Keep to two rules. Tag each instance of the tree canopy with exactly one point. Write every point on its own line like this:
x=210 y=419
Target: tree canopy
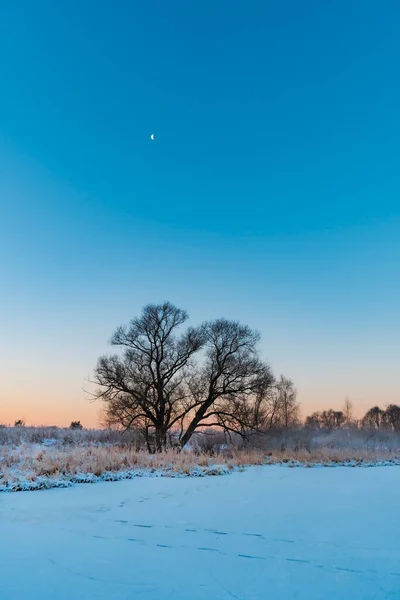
x=169 y=383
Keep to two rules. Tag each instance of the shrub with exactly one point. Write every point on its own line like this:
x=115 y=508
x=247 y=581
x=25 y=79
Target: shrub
x=76 y=425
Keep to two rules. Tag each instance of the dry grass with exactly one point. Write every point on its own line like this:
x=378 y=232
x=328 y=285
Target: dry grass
x=97 y=460
x=15 y=436
x=32 y=463
x=320 y=456
x=31 y=458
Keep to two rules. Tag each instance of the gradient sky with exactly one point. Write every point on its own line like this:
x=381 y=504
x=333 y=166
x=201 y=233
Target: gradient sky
x=271 y=193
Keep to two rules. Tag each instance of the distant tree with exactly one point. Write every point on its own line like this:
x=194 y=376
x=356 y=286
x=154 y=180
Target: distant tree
x=332 y=419
x=326 y=419
x=19 y=423
x=287 y=408
x=313 y=421
x=76 y=425
x=374 y=418
x=157 y=386
x=391 y=417
x=348 y=412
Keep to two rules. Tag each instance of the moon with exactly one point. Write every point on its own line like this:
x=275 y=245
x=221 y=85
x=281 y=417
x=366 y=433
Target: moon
x=152 y=136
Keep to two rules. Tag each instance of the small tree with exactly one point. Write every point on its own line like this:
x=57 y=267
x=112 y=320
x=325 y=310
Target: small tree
x=19 y=423
x=157 y=386
x=326 y=419
x=332 y=419
x=313 y=421
x=348 y=413
x=76 y=425
x=287 y=407
x=391 y=417
x=373 y=418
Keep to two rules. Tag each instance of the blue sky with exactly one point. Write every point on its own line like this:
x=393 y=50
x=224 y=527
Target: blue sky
x=270 y=193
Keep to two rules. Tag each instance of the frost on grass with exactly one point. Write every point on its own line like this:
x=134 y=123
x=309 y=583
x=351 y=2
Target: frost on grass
x=40 y=458
x=19 y=483
x=32 y=467
x=29 y=467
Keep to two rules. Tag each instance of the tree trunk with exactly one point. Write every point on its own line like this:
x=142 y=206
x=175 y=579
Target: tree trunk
x=160 y=439
x=191 y=428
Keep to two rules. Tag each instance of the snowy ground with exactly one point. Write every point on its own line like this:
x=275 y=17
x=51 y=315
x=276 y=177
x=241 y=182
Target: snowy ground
x=268 y=533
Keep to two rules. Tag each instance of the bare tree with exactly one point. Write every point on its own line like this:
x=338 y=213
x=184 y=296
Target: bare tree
x=157 y=387
x=374 y=418
x=392 y=417
x=232 y=388
x=326 y=419
x=348 y=412
x=313 y=421
x=287 y=407
x=145 y=388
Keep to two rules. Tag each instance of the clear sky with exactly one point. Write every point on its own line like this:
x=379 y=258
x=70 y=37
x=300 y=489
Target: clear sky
x=271 y=193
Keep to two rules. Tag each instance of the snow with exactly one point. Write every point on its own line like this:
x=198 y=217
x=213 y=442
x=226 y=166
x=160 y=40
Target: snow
x=268 y=532
x=24 y=483
x=21 y=479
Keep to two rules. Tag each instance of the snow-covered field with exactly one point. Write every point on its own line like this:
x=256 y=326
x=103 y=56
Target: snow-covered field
x=269 y=532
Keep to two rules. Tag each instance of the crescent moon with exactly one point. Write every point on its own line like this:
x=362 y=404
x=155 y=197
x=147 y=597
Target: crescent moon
x=152 y=136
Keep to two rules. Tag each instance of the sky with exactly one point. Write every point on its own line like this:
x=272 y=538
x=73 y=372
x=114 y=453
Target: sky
x=271 y=193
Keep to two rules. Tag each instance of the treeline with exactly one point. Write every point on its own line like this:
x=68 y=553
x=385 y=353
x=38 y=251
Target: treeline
x=168 y=381
x=21 y=423
x=284 y=414
x=375 y=418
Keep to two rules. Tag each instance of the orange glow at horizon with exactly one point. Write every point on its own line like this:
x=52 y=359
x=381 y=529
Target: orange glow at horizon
x=61 y=411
